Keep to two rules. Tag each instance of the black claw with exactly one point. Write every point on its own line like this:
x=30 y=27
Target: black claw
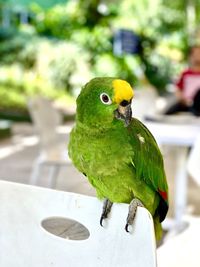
x=126 y=228
x=106 y=210
x=101 y=220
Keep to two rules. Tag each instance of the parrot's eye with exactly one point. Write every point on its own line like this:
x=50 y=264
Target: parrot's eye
x=105 y=99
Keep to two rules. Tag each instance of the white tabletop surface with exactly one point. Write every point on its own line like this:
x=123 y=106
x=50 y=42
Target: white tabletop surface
x=174 y=134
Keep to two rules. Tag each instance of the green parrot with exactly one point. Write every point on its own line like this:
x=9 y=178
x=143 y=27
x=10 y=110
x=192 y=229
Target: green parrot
x=117 y=153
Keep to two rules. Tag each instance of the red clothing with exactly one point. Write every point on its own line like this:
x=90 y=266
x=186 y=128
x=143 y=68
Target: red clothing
x=189 y=83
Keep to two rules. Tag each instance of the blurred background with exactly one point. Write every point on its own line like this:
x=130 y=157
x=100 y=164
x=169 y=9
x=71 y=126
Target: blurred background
x=53 y=48
x=50 y=49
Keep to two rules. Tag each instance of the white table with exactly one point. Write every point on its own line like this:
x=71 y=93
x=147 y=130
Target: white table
x=24 y=242
x=182 y=136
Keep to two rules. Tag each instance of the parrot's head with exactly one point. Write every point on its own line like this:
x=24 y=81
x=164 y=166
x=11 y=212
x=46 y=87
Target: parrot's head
x=103 y=101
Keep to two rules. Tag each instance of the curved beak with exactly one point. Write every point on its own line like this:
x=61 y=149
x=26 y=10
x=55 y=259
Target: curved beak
x=124 y=112
x=123 y=94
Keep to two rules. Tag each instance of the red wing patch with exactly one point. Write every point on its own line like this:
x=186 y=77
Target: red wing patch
x=163 y=194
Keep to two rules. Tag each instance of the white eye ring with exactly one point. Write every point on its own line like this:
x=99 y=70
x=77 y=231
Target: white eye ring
x=105 y=99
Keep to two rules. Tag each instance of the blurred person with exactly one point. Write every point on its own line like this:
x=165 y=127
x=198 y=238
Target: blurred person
x=188 y=86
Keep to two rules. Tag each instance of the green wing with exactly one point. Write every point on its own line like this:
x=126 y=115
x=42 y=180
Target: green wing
x=148 y=162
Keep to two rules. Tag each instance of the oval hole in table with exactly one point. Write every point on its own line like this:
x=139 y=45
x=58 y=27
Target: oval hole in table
x=65 y=228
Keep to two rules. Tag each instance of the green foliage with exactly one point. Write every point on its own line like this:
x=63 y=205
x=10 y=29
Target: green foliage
x=91 y=31
x=17 y=86
x=18 y=46
x=70 y=43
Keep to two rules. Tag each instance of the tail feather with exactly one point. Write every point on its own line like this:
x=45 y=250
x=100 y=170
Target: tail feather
x=157 y=228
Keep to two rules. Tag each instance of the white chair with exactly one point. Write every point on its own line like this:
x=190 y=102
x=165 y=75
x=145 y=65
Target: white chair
x=33 y=237
x=193 y=165
x=53 y=150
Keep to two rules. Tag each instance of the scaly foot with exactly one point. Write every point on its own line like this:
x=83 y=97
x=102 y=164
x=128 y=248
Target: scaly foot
x=107 y=205
x=132 y=212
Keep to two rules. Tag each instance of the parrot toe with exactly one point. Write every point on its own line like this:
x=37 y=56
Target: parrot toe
x=132 y=212
x=107 y=205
